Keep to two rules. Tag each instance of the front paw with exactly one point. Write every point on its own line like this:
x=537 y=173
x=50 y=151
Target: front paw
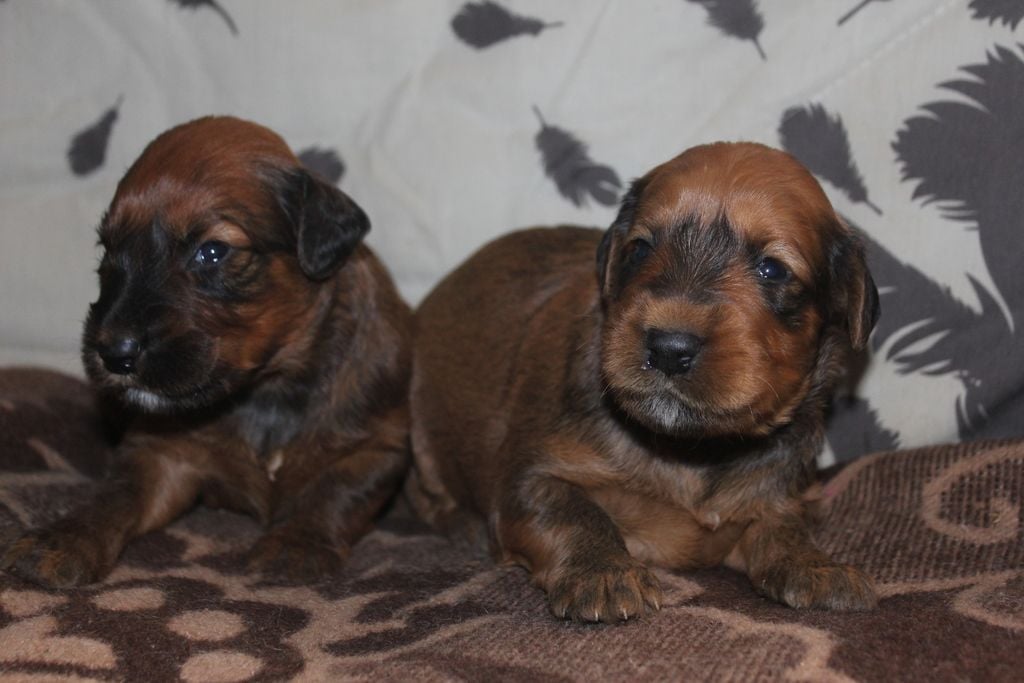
x=57 y=558
x=831 y=587
x=297 y=557
x=606 y=592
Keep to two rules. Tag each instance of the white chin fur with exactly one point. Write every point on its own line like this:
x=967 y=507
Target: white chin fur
x=661 y=413
x=147 y=400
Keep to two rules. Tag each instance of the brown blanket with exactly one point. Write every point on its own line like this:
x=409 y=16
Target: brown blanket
x=940 y=529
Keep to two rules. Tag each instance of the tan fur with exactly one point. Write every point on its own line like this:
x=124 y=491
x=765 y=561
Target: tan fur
x=282 y=369
x=536 y=411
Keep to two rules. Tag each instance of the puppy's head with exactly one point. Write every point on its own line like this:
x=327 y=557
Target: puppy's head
x=218 y=254
x=731 y=291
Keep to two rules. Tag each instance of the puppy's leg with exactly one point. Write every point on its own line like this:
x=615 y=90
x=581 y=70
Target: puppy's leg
x=324 y=518
x=784 y=564
x=150 y=487
x=574 y=552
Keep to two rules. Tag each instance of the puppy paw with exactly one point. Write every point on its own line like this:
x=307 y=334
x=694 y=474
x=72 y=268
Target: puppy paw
x=831 y=587
x=606 y=593
x=56 y=558
x=297 y=557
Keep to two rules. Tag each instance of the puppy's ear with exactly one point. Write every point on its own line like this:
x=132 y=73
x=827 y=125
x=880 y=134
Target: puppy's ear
x=602 y=257
x=328 y=224
x=854 y=295
x=624 y=219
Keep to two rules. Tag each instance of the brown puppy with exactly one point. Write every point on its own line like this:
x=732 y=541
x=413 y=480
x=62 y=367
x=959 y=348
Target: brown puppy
x=238 y=306
x=662 y=409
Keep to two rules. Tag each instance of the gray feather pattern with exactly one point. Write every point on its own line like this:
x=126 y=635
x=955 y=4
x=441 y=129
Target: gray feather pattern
x=964 y=153
x=88 y=148
x=567 y=163
x=482 y=24
x=854 y=429
x=212 y=4
x=323 y=161
x=856 y=8
x=1010 y=12
x=737 y=18
x=820 y=142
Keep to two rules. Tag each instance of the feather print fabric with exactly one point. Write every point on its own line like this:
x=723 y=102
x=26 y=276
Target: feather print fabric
x=567 y=162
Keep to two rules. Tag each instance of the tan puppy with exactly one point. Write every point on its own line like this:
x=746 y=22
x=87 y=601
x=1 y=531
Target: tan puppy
x=239 y=306
x=660 y=404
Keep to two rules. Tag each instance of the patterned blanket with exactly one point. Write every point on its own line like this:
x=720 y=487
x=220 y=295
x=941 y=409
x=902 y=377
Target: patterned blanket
x=940 y=529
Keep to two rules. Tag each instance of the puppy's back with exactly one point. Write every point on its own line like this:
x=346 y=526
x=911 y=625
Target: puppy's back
x=469 y=332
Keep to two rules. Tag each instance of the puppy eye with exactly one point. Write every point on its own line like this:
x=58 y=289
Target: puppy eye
x=638 y=250
x=633 y=255
x=772 y=269
x=211 y=253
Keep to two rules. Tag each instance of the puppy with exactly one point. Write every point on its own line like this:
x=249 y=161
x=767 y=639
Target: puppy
x=239 y=308
x=663 y=408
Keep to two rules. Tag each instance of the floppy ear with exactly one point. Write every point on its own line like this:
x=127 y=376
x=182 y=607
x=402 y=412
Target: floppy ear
x=855 y=296
x=624 y=219
x=864 y=310
x=328 y=224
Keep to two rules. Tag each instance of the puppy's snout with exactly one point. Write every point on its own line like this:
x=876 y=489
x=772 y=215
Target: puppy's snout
x=670 y=351
x=121 y=354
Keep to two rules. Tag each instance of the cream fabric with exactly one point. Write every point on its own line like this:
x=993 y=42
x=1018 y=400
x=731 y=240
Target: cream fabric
x=437 y=136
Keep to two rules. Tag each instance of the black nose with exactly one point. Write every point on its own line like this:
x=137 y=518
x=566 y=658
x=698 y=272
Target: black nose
x=120 y=355
x=671 y=352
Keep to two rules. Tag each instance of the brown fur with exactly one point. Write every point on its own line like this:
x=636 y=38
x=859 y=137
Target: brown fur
x=540 y=424
x=278 y=375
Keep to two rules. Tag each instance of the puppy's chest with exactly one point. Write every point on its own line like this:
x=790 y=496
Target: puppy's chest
x=670 y=522
x=270 y=431
x=268 y=427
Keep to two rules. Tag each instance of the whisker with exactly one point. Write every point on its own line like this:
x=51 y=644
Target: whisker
x=769 y=385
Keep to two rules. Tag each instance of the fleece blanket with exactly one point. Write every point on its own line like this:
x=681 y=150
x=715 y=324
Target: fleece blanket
x=939 y=528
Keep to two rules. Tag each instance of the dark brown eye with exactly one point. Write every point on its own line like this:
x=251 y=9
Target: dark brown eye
x=637 y=251
x=211 y=253
x=633 y=255
x=772 y=270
